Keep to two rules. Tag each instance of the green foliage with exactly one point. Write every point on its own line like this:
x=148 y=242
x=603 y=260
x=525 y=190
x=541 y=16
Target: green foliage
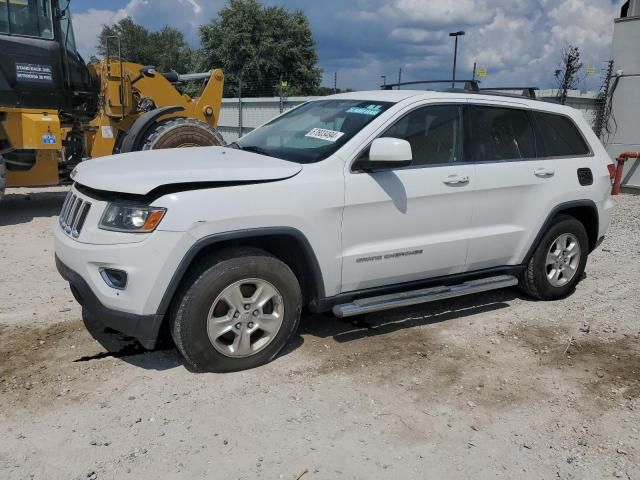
x=270 y=48
x=165 y=49
x=263 y=46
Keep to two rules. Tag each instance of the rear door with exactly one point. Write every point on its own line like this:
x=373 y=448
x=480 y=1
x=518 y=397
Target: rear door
x=410 y=223
x=560 y=138
x=515 y=189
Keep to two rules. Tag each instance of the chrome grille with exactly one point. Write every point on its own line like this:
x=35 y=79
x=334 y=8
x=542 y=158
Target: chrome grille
x=73 y=214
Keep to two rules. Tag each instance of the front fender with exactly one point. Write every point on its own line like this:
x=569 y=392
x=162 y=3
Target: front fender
x=254 y=236
x=133 y=139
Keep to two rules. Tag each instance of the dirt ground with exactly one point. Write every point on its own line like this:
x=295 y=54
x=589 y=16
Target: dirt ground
x=489 y=386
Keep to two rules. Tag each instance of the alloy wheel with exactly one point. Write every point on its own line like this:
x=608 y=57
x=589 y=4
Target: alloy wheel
x=245 y=317
x=563 y=259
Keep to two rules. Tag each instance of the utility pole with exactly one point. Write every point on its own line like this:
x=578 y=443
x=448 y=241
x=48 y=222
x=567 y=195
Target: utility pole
x=474 y=71
x=335 y=82
x=239 y=107
x=384 y=80
x=455 y=55
x=399 y=77
x=281 y=99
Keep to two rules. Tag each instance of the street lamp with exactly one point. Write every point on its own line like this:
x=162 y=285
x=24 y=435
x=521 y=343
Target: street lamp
x=455 y=55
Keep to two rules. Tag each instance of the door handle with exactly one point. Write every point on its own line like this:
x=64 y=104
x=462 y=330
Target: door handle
x=456 y=180
x=544 y=172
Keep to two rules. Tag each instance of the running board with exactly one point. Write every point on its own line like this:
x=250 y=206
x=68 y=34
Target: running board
x=405 y=299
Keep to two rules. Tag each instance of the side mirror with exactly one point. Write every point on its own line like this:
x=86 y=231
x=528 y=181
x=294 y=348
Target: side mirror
x=387 y=152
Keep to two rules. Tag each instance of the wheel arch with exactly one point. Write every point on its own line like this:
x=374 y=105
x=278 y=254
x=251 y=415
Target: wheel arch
x=136 y=133
x=585 y=211
x=286 y=243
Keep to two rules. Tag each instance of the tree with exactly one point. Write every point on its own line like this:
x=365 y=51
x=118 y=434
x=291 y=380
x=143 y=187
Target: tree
x=263 y=46
x=568 y=73
x=165 y=49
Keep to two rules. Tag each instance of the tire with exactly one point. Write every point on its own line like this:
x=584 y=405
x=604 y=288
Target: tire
x=201 y=312
x=180 y=133
x=3 y=178
x=554 y=271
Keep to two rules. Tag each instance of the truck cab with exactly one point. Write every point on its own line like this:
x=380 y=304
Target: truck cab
x=40 y=66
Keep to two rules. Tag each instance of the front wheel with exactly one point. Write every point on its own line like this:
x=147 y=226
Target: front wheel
x=559 y=260
x=237 y=311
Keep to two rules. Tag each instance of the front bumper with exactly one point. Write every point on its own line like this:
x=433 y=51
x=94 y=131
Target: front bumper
x=144 y=328
x=149 y=265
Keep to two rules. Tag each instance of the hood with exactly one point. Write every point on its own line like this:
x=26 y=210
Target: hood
x=141 y=172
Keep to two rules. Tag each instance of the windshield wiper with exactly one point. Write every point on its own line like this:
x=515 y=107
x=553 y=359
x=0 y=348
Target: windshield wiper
x=255 y=149
x=258 y=150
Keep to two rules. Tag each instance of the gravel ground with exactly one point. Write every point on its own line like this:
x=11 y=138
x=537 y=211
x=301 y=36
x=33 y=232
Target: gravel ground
x=488 y=386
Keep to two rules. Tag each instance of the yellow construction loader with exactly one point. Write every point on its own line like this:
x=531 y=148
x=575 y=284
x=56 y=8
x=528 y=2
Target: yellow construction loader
x=55 y=110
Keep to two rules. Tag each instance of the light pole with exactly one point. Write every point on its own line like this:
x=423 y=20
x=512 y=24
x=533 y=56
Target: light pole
x=455 y=55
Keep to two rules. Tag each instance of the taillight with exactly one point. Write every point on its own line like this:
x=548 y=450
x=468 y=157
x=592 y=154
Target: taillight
x=612 y=171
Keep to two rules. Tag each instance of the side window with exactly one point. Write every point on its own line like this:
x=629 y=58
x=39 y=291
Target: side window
x=497 y=133
x=434 y=132
x=559 y=136
x=26 y=17
x=4 y=16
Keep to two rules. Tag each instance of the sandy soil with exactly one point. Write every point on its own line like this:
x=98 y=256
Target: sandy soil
x=489 y=386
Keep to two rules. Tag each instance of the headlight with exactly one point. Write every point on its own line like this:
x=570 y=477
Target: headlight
x=131 y=218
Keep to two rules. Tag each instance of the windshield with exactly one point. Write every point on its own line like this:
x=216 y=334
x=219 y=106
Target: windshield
x=312 y=131
x=26 y=17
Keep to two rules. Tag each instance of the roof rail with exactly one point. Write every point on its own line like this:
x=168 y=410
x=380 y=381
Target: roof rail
x=472 y=86
x=527 y=92
x=469 y=85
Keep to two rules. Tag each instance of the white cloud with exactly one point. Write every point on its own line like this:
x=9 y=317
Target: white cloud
x=517 y=41
x=185 y=15
x=87 y=26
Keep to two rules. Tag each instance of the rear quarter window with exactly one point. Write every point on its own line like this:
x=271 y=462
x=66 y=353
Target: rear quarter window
x=558 y=136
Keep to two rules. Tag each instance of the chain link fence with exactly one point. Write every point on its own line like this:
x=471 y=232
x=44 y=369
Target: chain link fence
x=239 y=116
x=248 y=105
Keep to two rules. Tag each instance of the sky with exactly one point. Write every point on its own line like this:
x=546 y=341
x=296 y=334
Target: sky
x=518 y=42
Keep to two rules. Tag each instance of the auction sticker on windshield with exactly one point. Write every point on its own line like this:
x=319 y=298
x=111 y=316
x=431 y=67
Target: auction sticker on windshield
x=371 y=110
x=324 y=134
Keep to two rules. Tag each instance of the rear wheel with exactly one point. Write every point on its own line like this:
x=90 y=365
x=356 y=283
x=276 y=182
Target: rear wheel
x=559 y=260
x=181 y=133
x=237 y=311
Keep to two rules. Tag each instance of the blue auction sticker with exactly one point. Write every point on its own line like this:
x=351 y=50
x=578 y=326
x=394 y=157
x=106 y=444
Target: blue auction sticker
x=372 y=110
x=49 y=139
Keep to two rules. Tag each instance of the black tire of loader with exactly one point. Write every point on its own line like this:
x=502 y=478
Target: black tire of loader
x=180 y=133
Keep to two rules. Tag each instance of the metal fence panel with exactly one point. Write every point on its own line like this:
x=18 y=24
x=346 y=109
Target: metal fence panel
x=255 y=112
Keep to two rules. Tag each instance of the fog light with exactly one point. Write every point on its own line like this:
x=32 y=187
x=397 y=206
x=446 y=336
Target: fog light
x=114 y=278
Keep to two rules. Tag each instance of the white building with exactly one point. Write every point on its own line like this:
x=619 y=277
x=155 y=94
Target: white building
x=625 y=97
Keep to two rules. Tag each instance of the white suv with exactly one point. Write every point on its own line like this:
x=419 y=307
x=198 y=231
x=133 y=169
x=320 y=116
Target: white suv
x=353 y=203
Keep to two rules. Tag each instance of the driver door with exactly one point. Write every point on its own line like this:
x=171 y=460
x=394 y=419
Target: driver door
x=411 y=223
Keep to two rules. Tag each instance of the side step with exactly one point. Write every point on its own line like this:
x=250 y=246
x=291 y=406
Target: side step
x=405 y=299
